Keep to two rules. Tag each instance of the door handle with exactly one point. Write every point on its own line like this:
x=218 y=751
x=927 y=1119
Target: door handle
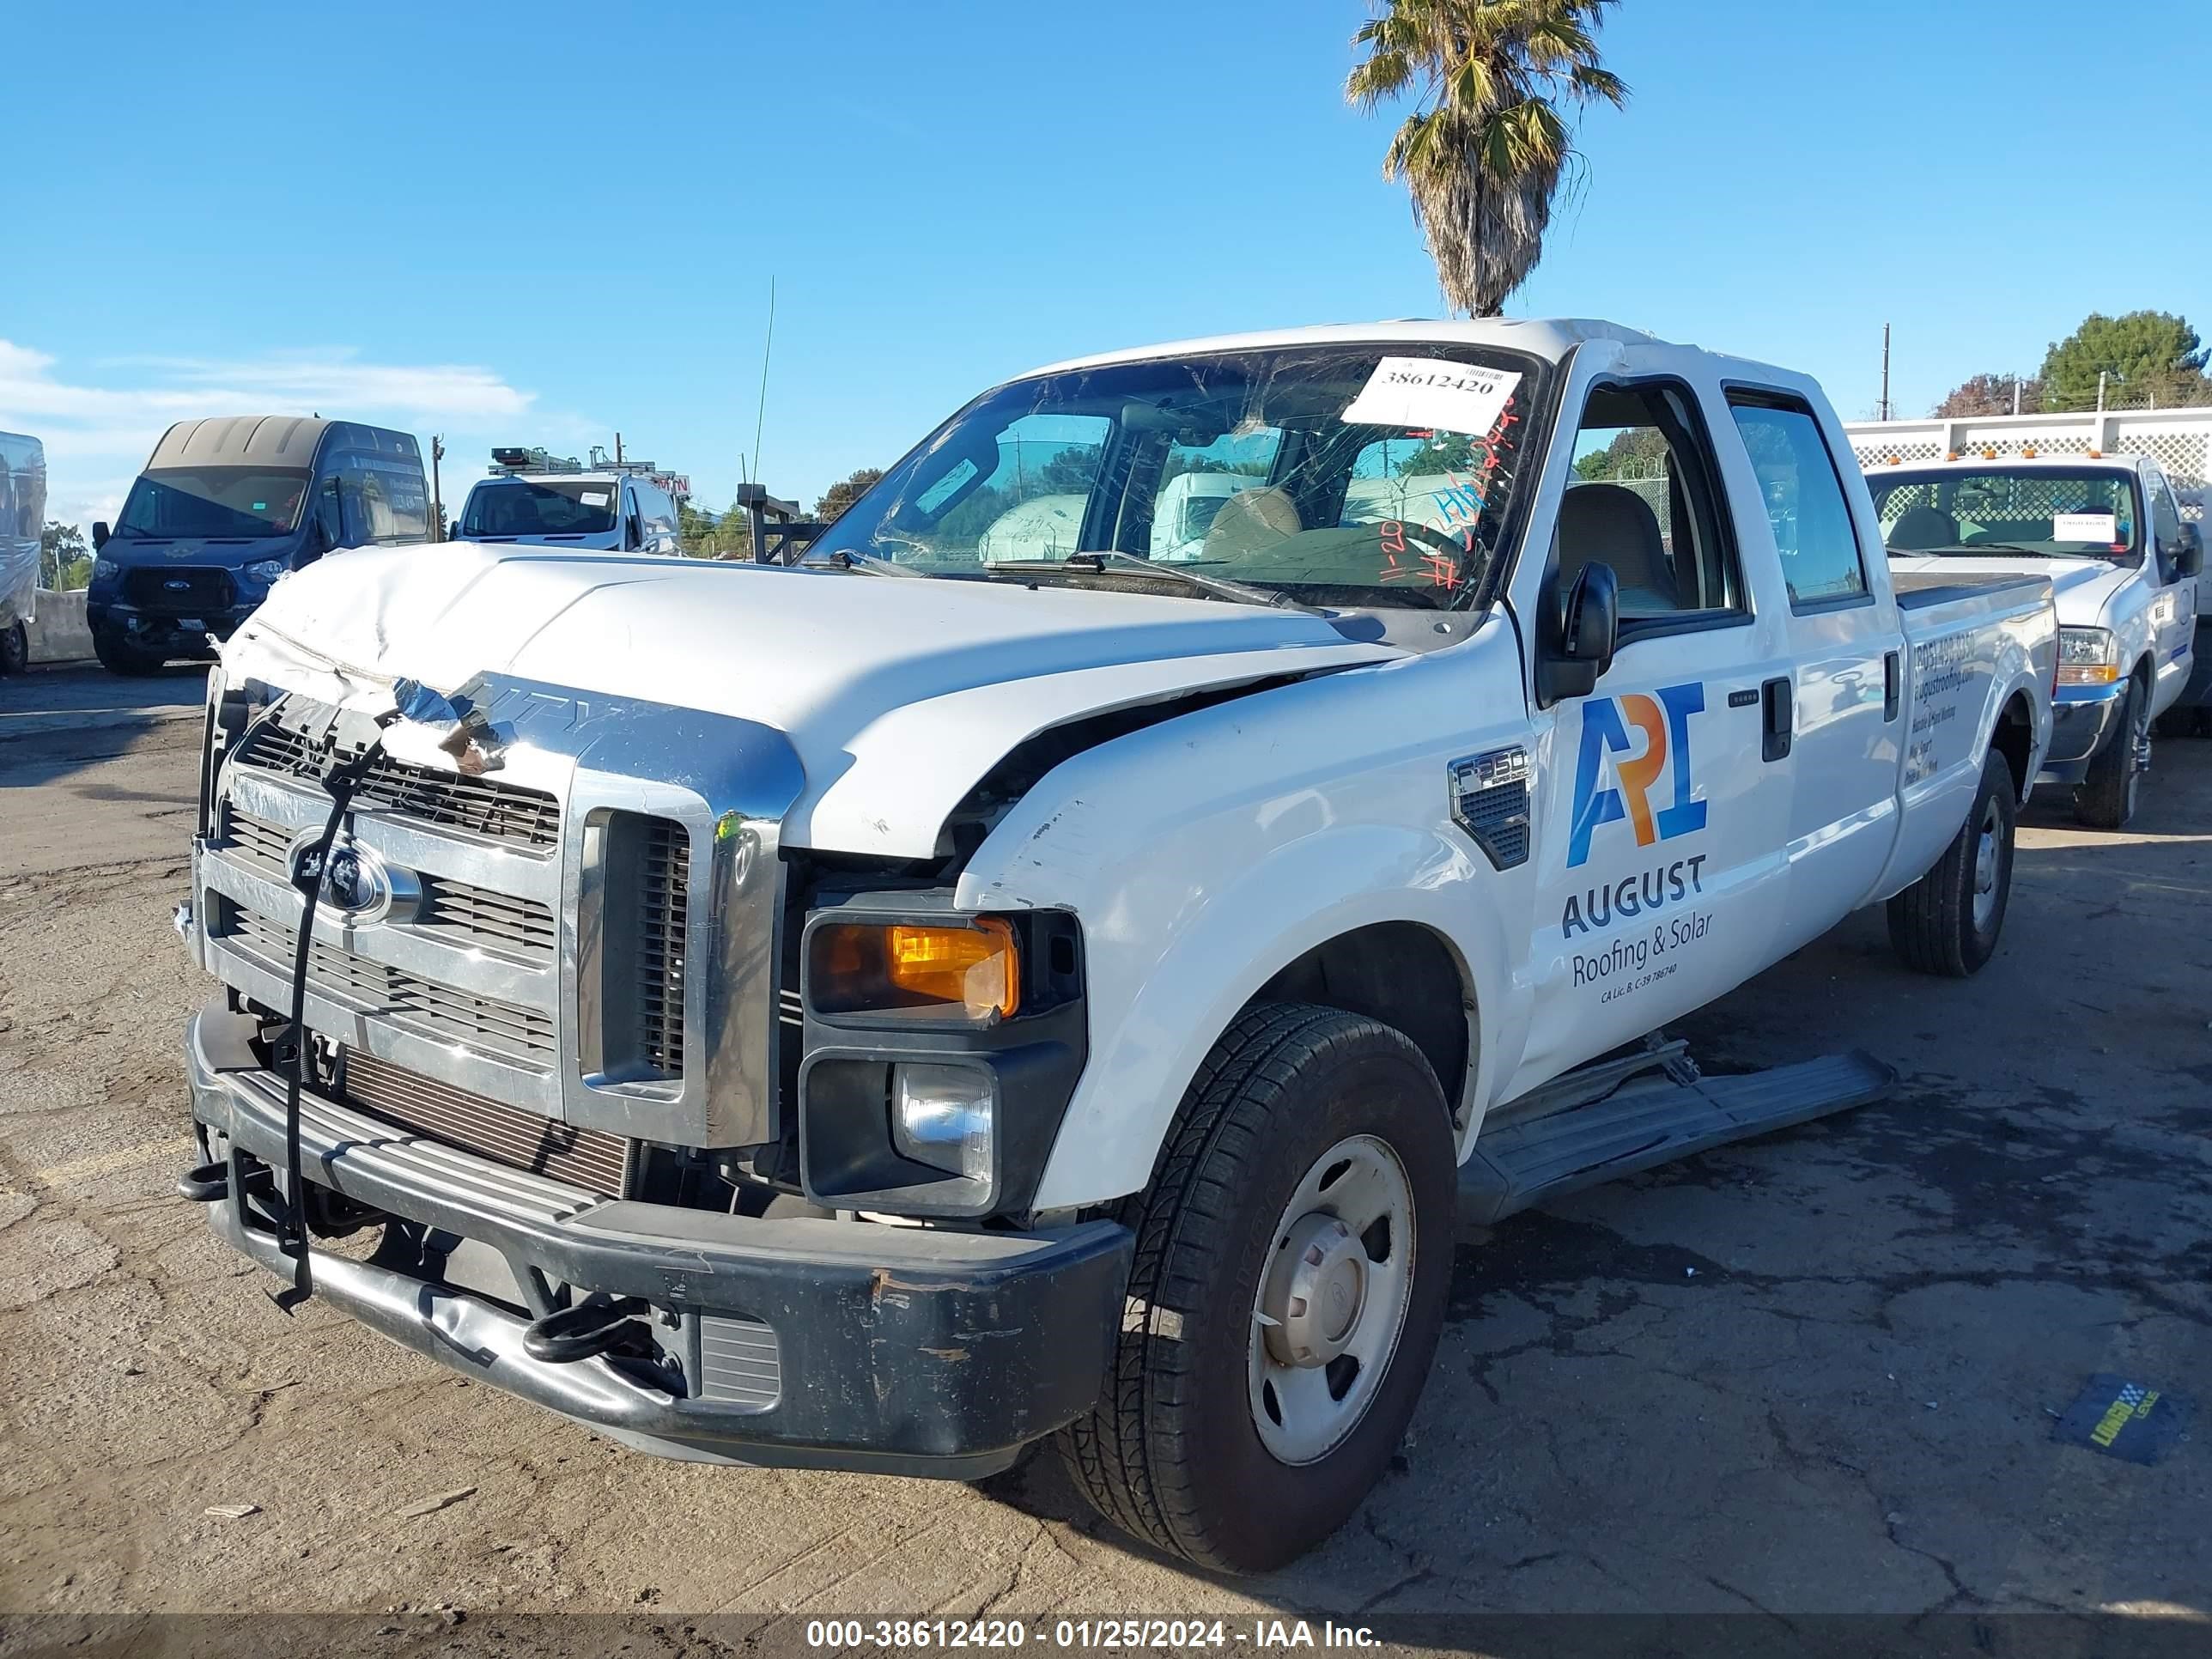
x=1893 y=685
x=1779 y=718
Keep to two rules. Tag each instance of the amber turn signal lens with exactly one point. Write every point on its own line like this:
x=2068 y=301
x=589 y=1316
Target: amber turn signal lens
x=972 y=966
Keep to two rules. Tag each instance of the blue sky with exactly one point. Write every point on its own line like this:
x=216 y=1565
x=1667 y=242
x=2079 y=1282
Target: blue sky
x=542 y=223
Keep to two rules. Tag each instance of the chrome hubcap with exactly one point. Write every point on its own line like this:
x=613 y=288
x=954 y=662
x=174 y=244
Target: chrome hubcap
x=1332 y=1300
x=1988 y=857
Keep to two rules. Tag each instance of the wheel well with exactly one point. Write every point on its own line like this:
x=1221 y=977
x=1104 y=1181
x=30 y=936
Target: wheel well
x=2015 y=738
x=1398 y=972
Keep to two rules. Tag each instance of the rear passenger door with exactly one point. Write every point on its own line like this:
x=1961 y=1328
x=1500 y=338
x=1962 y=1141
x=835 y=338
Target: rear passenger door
x=1660 y=874
x=1844 y=719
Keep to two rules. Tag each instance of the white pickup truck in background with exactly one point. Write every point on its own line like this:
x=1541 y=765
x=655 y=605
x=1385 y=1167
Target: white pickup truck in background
x=2109 y=534
x=882 y=1013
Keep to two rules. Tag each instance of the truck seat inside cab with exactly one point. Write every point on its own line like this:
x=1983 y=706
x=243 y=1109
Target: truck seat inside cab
x=1252 y=520
x=1924 y=527
x=1606 y=524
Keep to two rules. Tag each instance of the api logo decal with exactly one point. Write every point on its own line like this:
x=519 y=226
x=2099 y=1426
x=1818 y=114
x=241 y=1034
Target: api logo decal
x=1654 y=811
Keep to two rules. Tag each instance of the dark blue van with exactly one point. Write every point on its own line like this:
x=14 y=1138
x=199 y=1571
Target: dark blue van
x=225 y=506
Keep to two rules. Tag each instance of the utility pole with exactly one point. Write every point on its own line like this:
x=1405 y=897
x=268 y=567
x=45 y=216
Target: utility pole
x=2015 y=394
x=437 y=501
x=2100 y=391
x=1884 y=372
x=618 y=449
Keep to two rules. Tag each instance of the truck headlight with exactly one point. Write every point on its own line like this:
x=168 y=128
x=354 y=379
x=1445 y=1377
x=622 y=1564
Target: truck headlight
x=266 y=571
x=104 y=569
x=2086 y=657
x=968 y=969
x=941 y=1116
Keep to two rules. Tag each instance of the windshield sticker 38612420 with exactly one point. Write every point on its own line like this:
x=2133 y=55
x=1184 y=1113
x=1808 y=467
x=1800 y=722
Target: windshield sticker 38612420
x=1634 y=768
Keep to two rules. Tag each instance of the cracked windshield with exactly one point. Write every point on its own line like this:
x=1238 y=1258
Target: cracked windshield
x=1340 y=475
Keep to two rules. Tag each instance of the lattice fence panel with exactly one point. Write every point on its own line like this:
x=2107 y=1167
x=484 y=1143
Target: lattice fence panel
x=2181 y=453
x=1875 y=453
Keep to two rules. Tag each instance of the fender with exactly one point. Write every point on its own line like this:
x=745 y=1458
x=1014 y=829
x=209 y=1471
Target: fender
x=1200 y=867
x=1926 y=828
x=1160 y=1003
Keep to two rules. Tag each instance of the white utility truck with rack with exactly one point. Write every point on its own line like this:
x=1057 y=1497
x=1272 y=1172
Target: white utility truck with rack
x=2108 y=532
x=887 y=1011
x=2172 y=446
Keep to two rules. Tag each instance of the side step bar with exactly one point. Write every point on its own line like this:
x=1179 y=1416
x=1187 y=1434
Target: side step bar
x=1638 y=1124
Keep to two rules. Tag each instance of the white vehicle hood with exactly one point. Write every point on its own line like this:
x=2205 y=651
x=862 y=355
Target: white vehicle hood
x=2083 y=586
x=898 y=694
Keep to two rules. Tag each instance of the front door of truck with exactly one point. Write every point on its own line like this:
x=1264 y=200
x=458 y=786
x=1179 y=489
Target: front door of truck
x=1663 y=806
x=1847 y=678
x=2174 y=610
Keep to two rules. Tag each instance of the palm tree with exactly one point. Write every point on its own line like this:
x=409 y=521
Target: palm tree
x=1485 y=149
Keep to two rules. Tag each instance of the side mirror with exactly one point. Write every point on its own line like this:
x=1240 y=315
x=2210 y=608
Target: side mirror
x=101 y=533
x=1585 y=633
x=2191 y=559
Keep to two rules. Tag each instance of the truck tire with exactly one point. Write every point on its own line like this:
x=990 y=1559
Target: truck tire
x=118 y=657
x=2178 y=722
x=15 y=648
x=2105 y=798
x=1309 y=1178
x=1947 y=921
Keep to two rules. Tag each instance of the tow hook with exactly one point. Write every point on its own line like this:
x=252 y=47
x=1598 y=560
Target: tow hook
x=208 y=1184
x=579 y=1332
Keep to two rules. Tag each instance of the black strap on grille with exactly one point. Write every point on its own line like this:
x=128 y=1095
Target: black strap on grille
x=341 y=781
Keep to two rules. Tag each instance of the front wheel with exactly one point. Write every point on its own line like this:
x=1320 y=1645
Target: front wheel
x=2106 y=797
x=118 y=657
x=1293 y=1253
x=15 y=648
x=2178 y=723
x=1947 y=921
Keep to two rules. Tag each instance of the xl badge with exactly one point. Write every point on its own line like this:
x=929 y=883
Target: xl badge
x=355 y=881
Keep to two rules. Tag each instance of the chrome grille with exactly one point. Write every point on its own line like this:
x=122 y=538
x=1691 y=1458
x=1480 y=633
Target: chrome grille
x=523 y=1036
x=522 y=926
x=483 y=806
x=265 y=843
x=667 y=895
x=591 y=1158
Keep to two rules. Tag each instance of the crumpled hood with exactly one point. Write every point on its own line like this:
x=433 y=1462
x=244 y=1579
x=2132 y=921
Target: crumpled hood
x=2083 y=586
x=897 y=694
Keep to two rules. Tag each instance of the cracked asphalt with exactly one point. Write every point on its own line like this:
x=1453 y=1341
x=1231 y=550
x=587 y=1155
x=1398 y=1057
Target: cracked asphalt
x=1814 y=1374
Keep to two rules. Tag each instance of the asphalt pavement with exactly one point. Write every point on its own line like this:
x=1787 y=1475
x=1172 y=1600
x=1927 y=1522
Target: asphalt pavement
x=1814 y=1375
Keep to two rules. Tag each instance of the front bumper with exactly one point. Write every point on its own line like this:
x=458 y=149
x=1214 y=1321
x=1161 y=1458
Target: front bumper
x=149 y=631
x=898 y=1350
x=2083 y=717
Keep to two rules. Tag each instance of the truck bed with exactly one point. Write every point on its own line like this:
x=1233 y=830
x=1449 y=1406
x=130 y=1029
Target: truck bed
x=1918 y=590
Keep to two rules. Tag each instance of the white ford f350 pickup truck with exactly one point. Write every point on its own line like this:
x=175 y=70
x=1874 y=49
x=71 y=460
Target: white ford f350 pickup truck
x=2108 y=532
x=882 y=1013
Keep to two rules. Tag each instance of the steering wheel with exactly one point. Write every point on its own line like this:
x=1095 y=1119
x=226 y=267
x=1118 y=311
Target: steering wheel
x=1455 y=551
x=1450 y=545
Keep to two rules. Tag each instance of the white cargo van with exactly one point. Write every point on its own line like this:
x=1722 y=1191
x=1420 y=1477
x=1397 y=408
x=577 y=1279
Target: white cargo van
x=616 y=506
x=22 y=516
